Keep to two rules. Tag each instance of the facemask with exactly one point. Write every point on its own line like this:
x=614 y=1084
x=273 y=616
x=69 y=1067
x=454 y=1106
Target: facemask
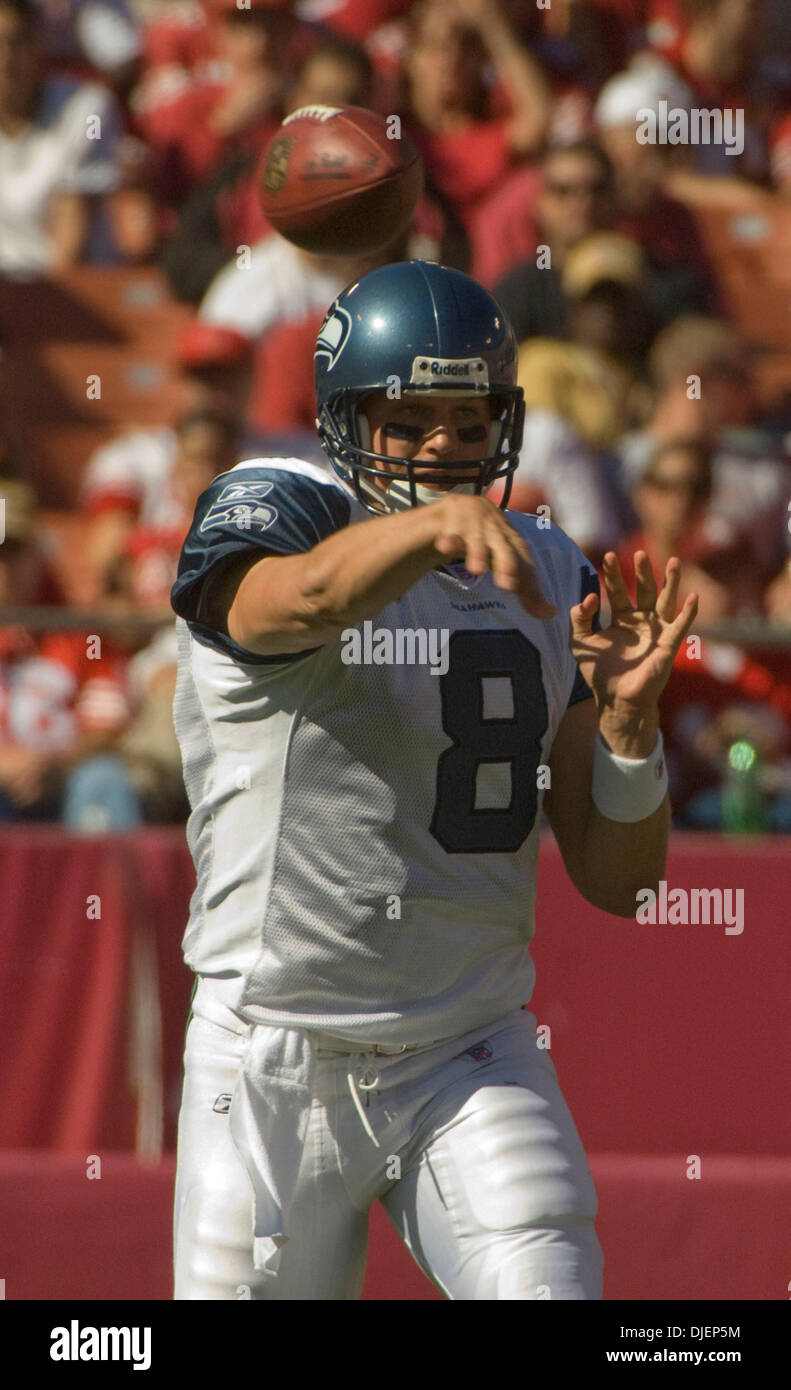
x=397 y=497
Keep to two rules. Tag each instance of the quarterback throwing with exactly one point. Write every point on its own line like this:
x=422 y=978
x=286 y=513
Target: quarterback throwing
x=365 y=829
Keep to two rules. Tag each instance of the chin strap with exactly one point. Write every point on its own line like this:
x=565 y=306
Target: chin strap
x=398 y=496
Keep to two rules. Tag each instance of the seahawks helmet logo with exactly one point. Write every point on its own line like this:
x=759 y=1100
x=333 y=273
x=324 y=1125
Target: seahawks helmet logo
x=333 y=335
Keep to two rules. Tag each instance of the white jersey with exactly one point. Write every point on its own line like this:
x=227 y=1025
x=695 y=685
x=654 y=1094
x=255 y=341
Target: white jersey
x=365 y=816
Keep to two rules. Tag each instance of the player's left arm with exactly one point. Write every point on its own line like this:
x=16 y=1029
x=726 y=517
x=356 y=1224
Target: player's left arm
x=626 y=666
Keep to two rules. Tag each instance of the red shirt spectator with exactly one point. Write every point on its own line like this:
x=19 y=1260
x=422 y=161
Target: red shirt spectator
x=283 y=397
x=186 y=145
x=53 y=690
x=152 y=556
x=466 y=164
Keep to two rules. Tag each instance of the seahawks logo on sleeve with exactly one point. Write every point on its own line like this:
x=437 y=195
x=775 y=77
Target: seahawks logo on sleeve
x=241 y=504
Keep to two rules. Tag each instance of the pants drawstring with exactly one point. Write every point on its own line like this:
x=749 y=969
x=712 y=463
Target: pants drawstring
x=365 y=1085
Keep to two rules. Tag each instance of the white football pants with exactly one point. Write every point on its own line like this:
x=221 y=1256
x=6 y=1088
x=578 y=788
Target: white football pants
x=495 y=1198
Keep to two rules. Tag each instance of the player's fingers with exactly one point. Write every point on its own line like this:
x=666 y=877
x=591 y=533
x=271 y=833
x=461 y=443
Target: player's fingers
x=478 y=553
x=582 y=616
x=666 y=602
x=646 y=583
x=451 y=545
x=614 y=581
x=513 y=569
x=678 y=630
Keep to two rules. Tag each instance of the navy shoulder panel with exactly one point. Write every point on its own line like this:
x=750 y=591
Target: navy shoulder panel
x=266 y=506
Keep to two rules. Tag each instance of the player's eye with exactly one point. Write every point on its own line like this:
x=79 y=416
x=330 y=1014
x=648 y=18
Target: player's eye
x=399 y=429
x=472 y=434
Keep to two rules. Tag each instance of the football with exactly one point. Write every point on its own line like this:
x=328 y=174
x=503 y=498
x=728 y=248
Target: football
x=340 y=180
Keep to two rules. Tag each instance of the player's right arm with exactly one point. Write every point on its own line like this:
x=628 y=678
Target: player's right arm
x=287 y=604
x=271 y=567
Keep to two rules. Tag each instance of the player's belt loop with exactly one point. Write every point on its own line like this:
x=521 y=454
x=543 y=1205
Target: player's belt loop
x=382 y=1050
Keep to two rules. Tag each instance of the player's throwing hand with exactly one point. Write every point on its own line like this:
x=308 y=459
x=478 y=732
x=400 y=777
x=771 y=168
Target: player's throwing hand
x=474 y=530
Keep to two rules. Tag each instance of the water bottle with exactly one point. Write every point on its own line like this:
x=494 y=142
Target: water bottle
x=744 y=809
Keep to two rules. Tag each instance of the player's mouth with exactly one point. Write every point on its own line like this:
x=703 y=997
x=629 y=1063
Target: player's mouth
x=429 y=477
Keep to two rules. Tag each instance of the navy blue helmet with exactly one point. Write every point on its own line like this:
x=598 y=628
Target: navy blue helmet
x=415 y=326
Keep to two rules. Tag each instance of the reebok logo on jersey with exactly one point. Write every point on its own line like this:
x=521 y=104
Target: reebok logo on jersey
x=222 y=1105
x=239 y=504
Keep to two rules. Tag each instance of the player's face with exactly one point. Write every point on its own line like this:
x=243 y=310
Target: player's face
x=430 y=429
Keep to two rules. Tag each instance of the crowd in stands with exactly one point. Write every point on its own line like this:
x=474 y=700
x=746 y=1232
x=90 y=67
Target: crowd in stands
x=131 y=135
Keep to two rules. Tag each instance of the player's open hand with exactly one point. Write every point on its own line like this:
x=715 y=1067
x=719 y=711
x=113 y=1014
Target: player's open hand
x=628 y=663
x=475 y=531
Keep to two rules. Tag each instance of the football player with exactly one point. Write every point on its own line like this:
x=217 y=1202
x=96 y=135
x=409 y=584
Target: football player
x=384 y=677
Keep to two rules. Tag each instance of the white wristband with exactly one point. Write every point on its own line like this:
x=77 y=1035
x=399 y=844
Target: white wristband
x=628 y=789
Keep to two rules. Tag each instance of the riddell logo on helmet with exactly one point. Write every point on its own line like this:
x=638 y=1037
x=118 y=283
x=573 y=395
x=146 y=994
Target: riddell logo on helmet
x=468 y=369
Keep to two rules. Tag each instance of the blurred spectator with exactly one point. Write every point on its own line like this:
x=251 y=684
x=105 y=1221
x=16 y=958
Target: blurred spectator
x=608 y=284
x=278 y=283
x=337 y=73
x=670 y=500
x=58 y=142
x=64 y=701
x=575 y=198
x=663 y=226
x=592 y=382
x=178 y=49
x=470 y=143
x=206 y=444
x=224 y=211
x=601 y=34
x=559 y=470
x=781 y=158
x=130 y=479
x=777 y=598
x=719 y=695
x=358 y=18
x=723 y=50
x=142 y=577
x=99 y=35
x=147 y=752
x=138 y=777
x=283 y=399
x=237 y=102
x=25 y=567
x=704 y=390
x=716 y=694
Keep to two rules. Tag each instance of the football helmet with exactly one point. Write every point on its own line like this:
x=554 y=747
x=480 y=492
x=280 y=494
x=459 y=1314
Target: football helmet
x=410 y=328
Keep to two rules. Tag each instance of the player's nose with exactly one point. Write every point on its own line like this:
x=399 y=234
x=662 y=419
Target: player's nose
x=440 y=442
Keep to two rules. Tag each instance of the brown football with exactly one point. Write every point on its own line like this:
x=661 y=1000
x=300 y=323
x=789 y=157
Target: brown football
x=340 y=180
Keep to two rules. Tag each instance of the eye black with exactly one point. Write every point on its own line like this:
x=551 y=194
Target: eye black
x=472 y=434
x=397 y=429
